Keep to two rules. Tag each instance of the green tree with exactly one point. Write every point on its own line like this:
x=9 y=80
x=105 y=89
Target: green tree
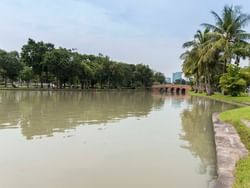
x=233 y=82
x=245 y=73
x=159 y=77
x=27 y=75
x=59 y=62
x=129 y=75
x=143 y=75
x=209 y=53
x=3 y=55
x=85 y=75
x=117 y=75
x=105 y=71
x=44 y=63
x=33 y=54
x=10 y=66
x=228 y=35
x=196 y=63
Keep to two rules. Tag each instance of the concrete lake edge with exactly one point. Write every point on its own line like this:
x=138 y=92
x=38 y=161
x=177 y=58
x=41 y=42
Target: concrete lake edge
x=229 y=150
x=238 y=105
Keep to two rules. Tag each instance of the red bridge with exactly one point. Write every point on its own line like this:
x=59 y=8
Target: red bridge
x=171 y=88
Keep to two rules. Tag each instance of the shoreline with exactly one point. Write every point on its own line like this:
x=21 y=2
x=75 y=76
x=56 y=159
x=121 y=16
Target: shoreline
x=73 y=89
x=233 y=166
x=239 y=104
x=229 y=150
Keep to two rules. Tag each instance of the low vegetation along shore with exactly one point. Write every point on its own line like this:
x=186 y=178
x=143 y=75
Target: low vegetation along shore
x=240 y=119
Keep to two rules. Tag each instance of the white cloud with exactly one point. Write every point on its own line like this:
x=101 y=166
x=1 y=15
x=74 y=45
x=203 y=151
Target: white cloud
x=133 y=31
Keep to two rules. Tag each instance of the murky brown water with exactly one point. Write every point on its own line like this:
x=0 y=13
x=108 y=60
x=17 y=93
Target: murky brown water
x=106 y=140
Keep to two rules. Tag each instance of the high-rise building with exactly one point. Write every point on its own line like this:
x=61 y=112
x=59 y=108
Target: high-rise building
x=168 y=79
x=176 y=76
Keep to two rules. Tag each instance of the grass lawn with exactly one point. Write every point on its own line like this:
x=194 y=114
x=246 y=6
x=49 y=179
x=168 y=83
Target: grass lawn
x=243 y=167
x=243 y=174
x=234 y=117
x=242 y=100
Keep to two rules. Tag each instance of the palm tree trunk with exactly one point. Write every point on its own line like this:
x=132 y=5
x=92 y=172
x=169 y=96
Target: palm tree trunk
x=224 y=66
x=196 y=83
x=208 y=85
x=200 y=86
x=207 y=81
x=196 y=86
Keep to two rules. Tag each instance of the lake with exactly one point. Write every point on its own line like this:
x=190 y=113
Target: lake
x=106 y=140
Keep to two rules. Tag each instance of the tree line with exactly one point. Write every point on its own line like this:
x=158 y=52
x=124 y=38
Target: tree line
x=211 y=60
x=40 y=62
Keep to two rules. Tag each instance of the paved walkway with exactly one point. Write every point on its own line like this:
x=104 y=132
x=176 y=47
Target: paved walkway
x=229 y=149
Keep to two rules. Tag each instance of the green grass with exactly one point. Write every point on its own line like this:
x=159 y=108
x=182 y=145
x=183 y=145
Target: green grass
x=240 y=100
x=234 y=117
x=242 y=174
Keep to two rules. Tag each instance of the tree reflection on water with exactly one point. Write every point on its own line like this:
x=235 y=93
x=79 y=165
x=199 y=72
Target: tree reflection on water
x=40 y=113
x=197 y=131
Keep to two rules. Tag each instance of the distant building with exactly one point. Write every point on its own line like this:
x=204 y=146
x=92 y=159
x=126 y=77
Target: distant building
x=177 y=76
x=168 y=79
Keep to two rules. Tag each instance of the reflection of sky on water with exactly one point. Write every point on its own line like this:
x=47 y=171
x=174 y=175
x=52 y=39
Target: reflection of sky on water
x=141 y=139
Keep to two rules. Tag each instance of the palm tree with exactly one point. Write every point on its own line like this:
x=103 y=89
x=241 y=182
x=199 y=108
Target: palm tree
x=228 y=36
x=196 y=63
x=190 y=67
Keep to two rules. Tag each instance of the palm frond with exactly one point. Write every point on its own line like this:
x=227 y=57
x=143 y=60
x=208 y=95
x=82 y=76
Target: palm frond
x=188 y=44
x=212 y=27
x=243 y=36
x=219 y=21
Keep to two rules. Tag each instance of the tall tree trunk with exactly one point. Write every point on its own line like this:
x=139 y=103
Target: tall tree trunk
x=209 y=88
x=196 y=86
x=200 y=86
x=82 y=85
x=208 y=83
x=5 y=82
x=206 y=80
x=60 y=85
x=237 y=60
x=108 y=82
x=224 y=66
x=47 y=78
x=196 y=83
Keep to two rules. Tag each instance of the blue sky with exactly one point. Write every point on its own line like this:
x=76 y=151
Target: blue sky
x=133 y=31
